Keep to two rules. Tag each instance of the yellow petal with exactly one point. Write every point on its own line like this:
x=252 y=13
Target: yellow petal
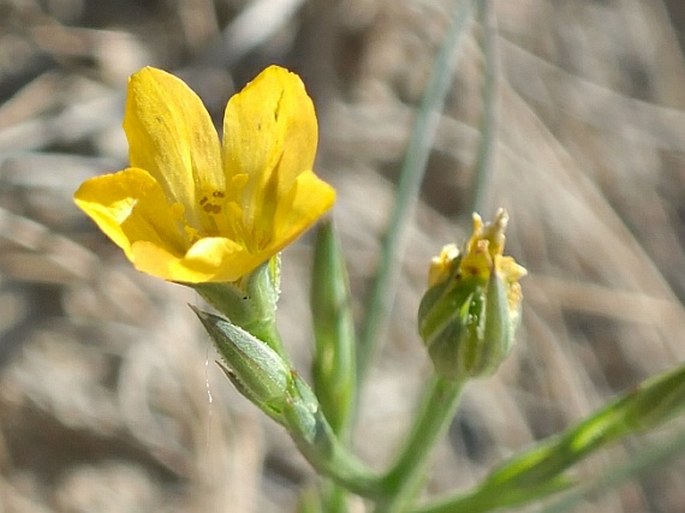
x=189 y=210
x=130 y=206
x=442 y=266
x=308 y=199
x=212 y=259
x=270 y=124
x=171 y=135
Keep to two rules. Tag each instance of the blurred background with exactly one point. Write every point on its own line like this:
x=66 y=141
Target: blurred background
x=110 y=400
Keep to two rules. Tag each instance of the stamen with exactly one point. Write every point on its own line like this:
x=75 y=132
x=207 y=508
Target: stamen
x=212 y=208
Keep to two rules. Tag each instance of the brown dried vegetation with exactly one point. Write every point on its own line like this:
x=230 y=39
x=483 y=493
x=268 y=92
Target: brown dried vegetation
x=109 y=398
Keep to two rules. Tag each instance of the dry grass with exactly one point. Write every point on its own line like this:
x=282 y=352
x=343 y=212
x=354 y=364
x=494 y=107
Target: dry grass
x=109 y=400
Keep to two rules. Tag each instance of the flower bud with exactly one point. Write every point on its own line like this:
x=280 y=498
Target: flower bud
x=469 y=314
x=256 y=370
x=334 y=361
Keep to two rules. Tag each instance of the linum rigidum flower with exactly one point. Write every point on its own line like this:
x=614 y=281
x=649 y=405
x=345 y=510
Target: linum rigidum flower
x=469 y=315
x=194 y=209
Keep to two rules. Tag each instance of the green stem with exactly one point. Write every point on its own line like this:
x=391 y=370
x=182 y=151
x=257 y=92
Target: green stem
x=484 y=500
x=488 y=121
x=308 y=427
x=650 y=458
x=476 y=502
x=540 y=471
x=411 y=176
x=334 y=498
x=338 y=464
x=334 y=363
x=403 y=481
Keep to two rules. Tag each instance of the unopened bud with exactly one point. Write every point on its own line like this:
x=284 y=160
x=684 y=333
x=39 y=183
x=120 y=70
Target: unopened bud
x=469 y=314
x=256 y=370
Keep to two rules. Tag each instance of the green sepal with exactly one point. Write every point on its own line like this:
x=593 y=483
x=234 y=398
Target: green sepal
x=443 y=304
x=498 y=335
x=246 y=392
x=450 y=318
x=249 y=302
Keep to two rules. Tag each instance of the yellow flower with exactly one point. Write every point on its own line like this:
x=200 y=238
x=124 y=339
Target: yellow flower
x=193 y=209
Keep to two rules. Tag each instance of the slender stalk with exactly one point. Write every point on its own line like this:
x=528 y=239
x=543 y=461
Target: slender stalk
x=468 y=503
x=488 y=121
x=540 y=471
x=411 y=176
x=403 y=481
x=655 y=456
x=485 y=500
x=334 y=498
x=342 y=467
x=303 y=418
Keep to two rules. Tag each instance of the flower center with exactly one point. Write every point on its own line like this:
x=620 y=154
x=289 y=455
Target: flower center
x=213 y=204
x=222 y=216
